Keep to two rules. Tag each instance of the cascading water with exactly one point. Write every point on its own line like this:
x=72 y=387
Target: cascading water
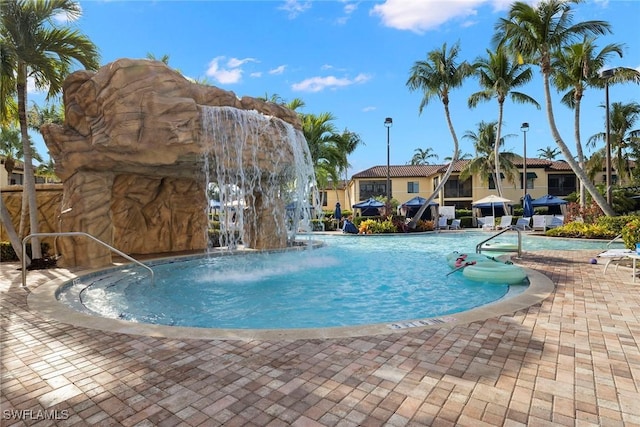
x=262 y=169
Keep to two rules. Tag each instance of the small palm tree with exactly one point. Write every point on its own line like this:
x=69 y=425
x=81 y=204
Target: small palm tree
x=32 y=47
x=421 y=157
x=548 y=153
x=624 y=139
x=483 y=164
x=436 y=76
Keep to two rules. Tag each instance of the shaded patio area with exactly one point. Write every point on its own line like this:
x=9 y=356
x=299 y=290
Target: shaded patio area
x=573 y=359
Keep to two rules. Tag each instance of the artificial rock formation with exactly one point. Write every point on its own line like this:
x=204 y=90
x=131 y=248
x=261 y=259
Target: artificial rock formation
x=131 y=157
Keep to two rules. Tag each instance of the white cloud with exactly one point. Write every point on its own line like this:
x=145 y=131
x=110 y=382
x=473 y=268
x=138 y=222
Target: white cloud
x=256 y=74
x=295 y=7
x=317 y=84
x=278 y=70
x=32 y=89
x=370 y=108
x=228 y=73
x=423 y=15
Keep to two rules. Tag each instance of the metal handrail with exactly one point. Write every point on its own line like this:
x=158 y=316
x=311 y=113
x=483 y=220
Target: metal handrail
x=73 y=233
x=511 y=227
x=619 y=236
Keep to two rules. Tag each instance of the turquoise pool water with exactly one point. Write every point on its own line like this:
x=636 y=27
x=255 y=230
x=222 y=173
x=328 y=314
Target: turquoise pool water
x=353 y=280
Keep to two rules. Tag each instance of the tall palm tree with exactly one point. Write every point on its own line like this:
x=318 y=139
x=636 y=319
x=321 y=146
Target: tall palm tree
x=483 y=164
x=499 y=76
x=421 y=157
x=346 y=143
x=549 y=153
x=535 y=34
x=575 y=67
x=32 y=47
x=623 y=138
x=436 y=76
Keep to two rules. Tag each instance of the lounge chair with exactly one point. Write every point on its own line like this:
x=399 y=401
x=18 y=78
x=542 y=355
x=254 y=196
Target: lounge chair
x=505 y=222
x=539 y=222
x=523 y=224
x=617 y=256
x=455 y=225
x=442 y=223
x=487 y=223
x=555 y=221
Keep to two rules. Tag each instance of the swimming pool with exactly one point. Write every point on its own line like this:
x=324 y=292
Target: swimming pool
x=353 y=280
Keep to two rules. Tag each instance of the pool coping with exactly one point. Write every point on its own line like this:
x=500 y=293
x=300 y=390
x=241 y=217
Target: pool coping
x=42 y=299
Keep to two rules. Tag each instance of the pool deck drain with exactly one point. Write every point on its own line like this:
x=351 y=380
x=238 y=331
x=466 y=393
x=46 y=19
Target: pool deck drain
x=571 y=358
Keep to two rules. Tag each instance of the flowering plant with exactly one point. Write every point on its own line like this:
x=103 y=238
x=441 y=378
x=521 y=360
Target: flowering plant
x=631 y=233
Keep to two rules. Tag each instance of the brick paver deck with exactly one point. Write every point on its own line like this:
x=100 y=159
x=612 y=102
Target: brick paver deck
x=574 y=359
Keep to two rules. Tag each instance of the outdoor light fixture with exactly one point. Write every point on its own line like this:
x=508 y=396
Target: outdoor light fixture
x=388 y=122
x=524 y=128
x=606 y=75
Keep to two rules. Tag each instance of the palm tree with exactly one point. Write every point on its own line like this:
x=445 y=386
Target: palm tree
x=535 y=34
x=575 y=67
x=623 y=137
x=346 y=143
x=483 y=164
x=498 y=77
x=421 y=157
x=436 y=76
x=548 y=153
x=32 y=47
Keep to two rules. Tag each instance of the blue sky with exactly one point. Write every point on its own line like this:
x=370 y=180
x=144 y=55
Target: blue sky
x=352 y=59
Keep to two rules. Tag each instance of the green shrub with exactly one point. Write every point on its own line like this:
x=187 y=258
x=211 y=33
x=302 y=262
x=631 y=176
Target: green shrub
x=582 y=230
x=631 y=233
x=8 y=254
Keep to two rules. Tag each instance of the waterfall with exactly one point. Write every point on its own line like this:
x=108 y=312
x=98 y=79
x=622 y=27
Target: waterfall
x=263 y=170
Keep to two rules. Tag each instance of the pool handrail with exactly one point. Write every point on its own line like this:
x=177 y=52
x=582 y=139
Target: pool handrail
x=74 y=233
x=511 y=227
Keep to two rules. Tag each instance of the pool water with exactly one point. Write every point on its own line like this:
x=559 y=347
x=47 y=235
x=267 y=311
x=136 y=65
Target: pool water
x=353 y=280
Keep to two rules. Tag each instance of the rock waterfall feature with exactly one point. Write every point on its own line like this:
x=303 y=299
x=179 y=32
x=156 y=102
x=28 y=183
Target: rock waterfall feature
x=142 y=146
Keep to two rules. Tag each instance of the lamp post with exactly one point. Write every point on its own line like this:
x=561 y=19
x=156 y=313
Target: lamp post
x=524 y=128
x=606 y=75
x=388 y=122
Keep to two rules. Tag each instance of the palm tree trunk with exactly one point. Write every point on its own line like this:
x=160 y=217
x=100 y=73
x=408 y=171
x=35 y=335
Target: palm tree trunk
x=447 y=173
x=29 y=185
x=5 y=218
x=496 y=153
x=579 y=149
x=582 y=176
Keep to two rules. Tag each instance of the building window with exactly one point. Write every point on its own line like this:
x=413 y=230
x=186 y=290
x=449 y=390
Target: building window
x=492 y=182
x=372 y=189
x=562 y=184
x=456 y=188
x=531 y=176
x=614 y=179
x=413 y=187
x=436 y=180
x=323 y=197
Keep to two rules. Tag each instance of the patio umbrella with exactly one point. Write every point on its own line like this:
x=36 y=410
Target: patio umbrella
x=337 y=213
x=411 y=206
x=554 y=203
x=528 y=207
x=491 y=201
x=368 y=205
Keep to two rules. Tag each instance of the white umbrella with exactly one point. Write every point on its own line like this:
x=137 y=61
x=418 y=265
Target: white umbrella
x=491 y=199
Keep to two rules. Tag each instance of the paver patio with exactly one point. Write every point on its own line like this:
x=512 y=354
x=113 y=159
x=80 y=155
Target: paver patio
x=573 y=359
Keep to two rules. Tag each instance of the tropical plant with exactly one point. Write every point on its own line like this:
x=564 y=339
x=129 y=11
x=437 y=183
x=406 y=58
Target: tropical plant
x=576 y=67
x=624 y=139
x=436 y=76
x=499 y=76
x=421 y=157
x=548 y=153
x=483 y=163
x=631 y=233
x=32 y=47
x=534 y=34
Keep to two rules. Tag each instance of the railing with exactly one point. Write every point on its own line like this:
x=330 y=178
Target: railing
x=73 y=233
x=511 y=227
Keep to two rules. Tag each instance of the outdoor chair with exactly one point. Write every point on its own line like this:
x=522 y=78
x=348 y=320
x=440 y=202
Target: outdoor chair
x=555 y=221
x=505 y=222
x=523 y=224
x=487 y=223
x=455 y=225
x=539 y=222
x=615 y=256
x=442 y=223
